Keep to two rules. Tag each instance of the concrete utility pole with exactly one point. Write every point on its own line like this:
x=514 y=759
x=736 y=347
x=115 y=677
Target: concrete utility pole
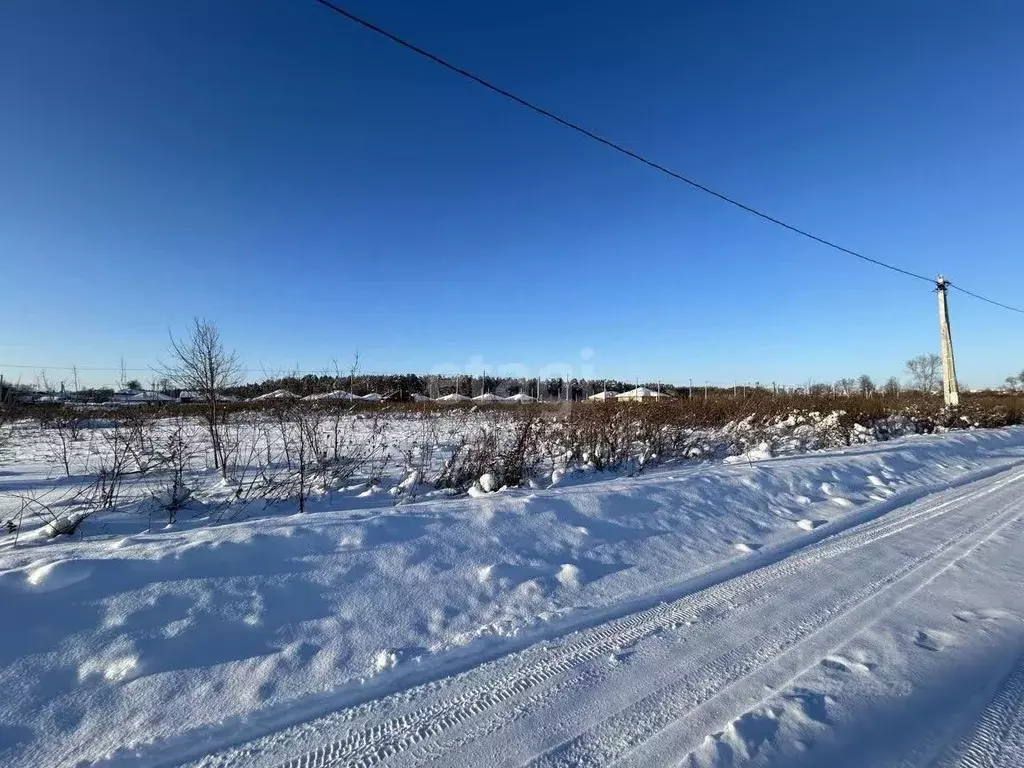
x=950 y=392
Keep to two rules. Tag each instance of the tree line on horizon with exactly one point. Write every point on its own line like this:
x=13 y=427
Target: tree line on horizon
x=924 y=374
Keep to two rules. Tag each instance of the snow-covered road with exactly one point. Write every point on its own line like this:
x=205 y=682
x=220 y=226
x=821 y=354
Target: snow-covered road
x=895 y=642
x=853 y=607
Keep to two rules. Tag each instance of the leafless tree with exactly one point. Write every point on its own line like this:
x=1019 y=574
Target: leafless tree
x=200 y=363
x=892 y=387
x=924 y=372
x=845 y=386
x=865 y=384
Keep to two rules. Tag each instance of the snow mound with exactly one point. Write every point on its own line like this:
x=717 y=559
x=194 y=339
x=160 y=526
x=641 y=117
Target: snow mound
x=569 y=576
x=58 y=575
x=118 y=670
x=385 y=659
x=808 y=525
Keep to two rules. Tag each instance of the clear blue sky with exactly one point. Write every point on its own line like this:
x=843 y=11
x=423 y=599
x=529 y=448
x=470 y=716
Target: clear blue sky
x=315 y=189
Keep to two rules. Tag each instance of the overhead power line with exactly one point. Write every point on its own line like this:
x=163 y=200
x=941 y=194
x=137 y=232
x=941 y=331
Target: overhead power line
x=154 y=371
x=631 y=154
x=956 y=287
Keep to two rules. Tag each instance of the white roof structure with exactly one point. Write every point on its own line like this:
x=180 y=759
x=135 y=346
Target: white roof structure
x=187 y=394
x=488 y=397
x=278 y=394
x=418 y=398
x=522 y=397
x=601 y=396
x=338 y=394
x=640 y=393
x=149 y=397
x=454 y=397
x=373 y=397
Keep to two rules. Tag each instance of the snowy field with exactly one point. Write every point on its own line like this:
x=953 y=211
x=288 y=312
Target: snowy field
x=749 y=603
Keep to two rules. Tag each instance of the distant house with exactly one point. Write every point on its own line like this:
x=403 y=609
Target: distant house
x=338 y=394
x=191 y=396
x=454 y=397
x=602 y=397
x=151 y=398
x=639 y=395
x=488 y=397
x=522 y=397
x=29 y=397
x=277 y=394
x=125 y=395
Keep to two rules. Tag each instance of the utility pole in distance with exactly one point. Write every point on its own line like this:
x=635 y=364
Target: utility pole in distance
x=950 y=392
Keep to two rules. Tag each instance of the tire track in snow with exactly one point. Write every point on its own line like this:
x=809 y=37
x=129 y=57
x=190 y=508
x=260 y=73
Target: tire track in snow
x=616 y=737
x=997 y=739
x=408 y=734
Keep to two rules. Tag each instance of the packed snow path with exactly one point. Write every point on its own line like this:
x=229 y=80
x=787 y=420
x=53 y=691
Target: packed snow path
x=895 y=642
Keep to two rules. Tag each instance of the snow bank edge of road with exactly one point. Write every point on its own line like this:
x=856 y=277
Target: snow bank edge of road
x=235 y=731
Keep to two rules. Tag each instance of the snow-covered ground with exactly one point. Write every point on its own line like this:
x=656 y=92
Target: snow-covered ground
x=857 y=607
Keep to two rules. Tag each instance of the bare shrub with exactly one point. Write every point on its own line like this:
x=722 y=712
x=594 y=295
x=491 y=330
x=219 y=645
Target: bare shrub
x=116 y=463
x=174 y=453
x=508 y=445
x=62 y=430
x=472 y=455
x=305 y=447
x=199 y=363
x=60 y=510
x=601 y=435
x=519 y=453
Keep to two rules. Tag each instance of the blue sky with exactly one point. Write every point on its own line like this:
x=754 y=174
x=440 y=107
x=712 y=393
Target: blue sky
x=315 y=189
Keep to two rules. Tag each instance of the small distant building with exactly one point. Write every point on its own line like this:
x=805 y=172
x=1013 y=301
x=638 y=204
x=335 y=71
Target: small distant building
x=602 y=397
x=522 y=397
x=338 y=394
x=488 y=397
x=125 y=395
x=454 y=397
x=146 y=397
x=639 y=395
x=29 y=397
x=191 y=396
x=277 y=394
